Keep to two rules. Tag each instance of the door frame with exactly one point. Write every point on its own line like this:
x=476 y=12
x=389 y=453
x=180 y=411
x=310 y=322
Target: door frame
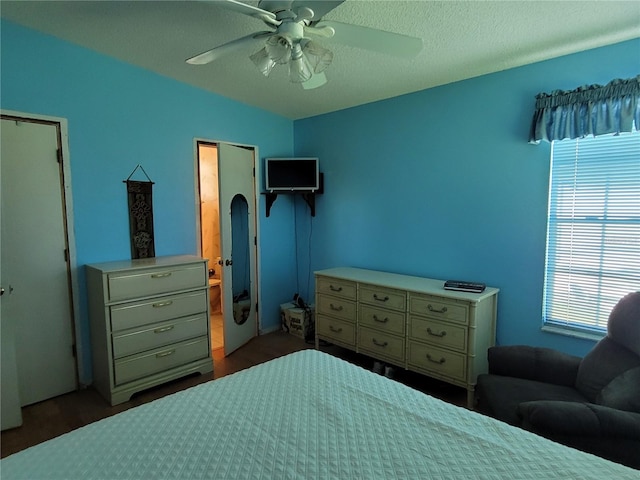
x=62 y=127
x=256 y=203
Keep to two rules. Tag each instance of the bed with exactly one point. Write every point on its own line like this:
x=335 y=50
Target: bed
x=306 y=415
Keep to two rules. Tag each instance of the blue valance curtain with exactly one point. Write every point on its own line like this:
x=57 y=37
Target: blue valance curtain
x=588 y=110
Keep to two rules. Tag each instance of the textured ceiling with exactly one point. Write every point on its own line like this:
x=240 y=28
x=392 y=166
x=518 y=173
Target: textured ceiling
x=462 y=39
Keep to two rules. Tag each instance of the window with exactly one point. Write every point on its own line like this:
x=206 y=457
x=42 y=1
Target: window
x=593 y=239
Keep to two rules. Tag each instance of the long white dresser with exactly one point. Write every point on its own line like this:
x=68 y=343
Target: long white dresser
x=149 y=323
x=410 y=322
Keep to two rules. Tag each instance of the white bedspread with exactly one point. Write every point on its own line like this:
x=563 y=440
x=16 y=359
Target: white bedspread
x=304 y=416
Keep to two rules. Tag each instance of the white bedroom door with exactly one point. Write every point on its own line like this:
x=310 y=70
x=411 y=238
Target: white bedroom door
x=36 y=303
x=238 y=244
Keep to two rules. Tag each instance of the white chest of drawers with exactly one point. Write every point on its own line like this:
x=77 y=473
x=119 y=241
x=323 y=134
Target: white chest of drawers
x=149 y=323
x=411 y=322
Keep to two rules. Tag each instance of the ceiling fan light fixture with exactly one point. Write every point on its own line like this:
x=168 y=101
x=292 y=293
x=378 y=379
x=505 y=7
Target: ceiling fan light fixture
x=263 y=62
x=278 y=48
x=318 y=56
x=300 y=69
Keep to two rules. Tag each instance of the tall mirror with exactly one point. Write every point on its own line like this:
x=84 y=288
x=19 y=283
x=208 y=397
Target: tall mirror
x=240 y=244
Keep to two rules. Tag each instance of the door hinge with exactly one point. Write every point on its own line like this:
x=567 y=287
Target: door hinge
x=66 y=254
x=256 y=308
x=255 y=241
x=254 y=171
x=74 y=351
x=59 y=155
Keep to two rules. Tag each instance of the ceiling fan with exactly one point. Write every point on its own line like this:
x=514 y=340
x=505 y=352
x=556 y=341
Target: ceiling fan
x=295 y=24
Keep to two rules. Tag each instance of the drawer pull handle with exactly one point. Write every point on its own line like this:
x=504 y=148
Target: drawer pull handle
x=380 y=299
x=164 y=329
x=335 y=289
x=333 y=307
x=431 y=332
x=431 y=309
x=439 y=362
x=162 y=304
x=161 y=275
x=380 y=344
x=334 y=329
x=165 y=354
x=381 y=320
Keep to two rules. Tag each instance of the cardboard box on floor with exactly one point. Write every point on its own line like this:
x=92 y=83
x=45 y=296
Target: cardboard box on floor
x=297 y=321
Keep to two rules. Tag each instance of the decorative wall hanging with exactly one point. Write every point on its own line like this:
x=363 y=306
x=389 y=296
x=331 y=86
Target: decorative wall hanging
x=139 y=196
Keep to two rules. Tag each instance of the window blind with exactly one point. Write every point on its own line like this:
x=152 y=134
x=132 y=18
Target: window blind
x=593 y=240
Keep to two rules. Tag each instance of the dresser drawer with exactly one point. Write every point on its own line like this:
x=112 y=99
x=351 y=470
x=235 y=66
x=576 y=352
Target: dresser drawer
x=155 y=281
x=380 y=344
x=133 y=367
x=336 y=307
x=135 y=314
x=383 y=297
x=338 y=330
x=339 y=288
x=129 y=342
x=434 y=360
x=387 y=320
x=438 y=333
x=439 y=308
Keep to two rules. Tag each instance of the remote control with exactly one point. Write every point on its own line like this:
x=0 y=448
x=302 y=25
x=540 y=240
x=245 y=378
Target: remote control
x=464 y=286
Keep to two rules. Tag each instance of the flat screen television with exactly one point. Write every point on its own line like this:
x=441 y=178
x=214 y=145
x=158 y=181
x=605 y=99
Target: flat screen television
x=291 y=174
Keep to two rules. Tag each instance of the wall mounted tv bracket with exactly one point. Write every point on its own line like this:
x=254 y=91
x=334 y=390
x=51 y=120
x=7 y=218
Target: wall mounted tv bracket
x=309 y=197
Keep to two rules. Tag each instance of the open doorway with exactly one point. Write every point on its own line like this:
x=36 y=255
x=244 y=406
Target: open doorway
x=226 y=203
x=210 y=235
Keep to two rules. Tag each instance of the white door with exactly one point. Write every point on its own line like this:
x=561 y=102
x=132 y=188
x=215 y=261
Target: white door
x=10 y=414
x=36 y=304
x=237 y=242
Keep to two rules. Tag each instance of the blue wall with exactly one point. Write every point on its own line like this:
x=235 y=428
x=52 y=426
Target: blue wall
x=439 y=183
x=442 y=183
x=118 y=116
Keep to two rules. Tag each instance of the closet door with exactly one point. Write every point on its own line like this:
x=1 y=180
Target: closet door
x=238 y=244
x=36 y=303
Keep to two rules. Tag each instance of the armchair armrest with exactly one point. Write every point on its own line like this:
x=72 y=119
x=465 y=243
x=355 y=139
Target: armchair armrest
x=534 y=363
x=552 y=418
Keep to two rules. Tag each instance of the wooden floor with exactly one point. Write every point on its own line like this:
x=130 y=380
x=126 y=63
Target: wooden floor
x=59 y=415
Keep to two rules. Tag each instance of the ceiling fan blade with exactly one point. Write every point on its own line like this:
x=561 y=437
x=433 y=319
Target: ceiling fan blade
x=320 y=7
x=224 y=49
x=317 y=80
x=252 y=11
x=373 y=39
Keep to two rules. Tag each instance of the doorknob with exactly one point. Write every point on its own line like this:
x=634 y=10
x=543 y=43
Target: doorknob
x=1 y=291
x=228 y=262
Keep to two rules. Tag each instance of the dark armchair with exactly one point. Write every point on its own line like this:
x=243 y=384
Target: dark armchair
x=590 y=403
